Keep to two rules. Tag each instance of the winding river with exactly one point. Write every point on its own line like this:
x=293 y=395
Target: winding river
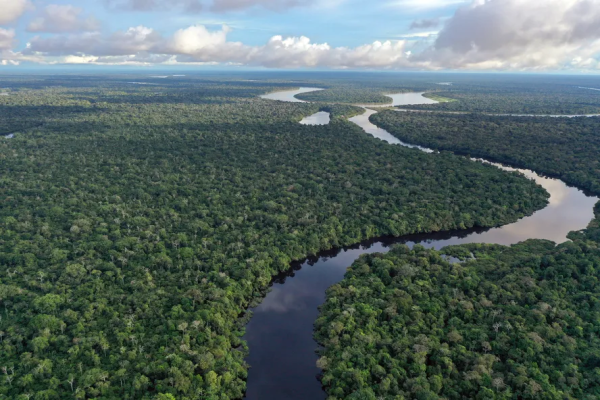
x=280 y=333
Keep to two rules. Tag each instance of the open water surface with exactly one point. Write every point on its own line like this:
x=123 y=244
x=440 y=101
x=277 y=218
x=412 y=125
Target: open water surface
x=320 y=118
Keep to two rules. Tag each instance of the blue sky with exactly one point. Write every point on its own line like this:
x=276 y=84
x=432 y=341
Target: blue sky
x=515 y=35
x=340 y=23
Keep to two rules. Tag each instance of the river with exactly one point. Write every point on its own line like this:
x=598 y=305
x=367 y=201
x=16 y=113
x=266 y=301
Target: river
x=289 y=95
x=320 y=118
x=280 y=333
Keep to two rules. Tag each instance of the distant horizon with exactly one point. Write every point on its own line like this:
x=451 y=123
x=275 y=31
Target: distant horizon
x=191 y=70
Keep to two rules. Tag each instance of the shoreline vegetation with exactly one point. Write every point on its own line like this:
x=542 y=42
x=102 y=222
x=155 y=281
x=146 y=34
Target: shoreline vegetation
x=507 y=321
x=565 y=148
x=438 y=98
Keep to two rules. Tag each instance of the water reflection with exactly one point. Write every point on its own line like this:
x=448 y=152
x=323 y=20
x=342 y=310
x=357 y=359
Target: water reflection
x=404 y=99
x=363 y=121
x=289 y=95
x=280 y=333
x=320 y=118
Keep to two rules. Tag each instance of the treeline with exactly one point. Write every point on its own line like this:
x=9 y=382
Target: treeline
x=527 y=97
x=135 y=233
x=518 y=322
x=568 y=148
x=350 y=95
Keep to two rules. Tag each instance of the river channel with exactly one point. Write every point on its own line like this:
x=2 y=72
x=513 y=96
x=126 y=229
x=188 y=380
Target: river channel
x=280 y=333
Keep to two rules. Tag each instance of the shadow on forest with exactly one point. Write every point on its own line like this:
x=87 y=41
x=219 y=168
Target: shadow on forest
x=15 y=118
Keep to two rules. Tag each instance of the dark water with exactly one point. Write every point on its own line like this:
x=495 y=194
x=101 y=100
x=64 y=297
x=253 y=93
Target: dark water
x=280 y=333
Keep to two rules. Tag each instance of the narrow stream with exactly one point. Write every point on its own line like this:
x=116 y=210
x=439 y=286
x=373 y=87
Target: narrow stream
x=280 y=333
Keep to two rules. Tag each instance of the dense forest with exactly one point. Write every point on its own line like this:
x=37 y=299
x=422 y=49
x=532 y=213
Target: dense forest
x=518 y=97
x=568 y=148
x=139 y=222
x=516 y=322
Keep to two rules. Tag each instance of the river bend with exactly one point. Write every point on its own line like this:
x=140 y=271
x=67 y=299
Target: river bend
x=280 y=333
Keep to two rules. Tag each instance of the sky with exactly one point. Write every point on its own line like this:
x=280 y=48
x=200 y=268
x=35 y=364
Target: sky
x=403 y=35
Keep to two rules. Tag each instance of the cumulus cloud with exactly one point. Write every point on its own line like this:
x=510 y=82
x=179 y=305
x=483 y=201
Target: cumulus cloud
x=296 y=52
x=154 y=5
x=63 y=18
x=291 y=52
x=197 y=44
x=518 y=34
x=10 y=10
x=131 y=41
x=196 y=40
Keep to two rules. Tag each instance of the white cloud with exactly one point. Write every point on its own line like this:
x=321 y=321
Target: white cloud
x=277 y=5
x=215 y=5
x=7 y=39
x=291 y=52
x=486 y=34
x=80 y=59
x=63 y=18
x=195 y=39
x=300 y=52
x=198 y=44
x=424 y=5
x=420 y=35
x=518 y=34
x=154 y=5
x=9 y=57
x=10 y=10
x=130 y=42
